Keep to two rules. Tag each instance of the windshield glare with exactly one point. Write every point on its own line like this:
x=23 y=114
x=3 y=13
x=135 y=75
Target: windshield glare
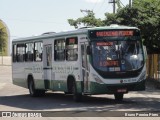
x=117 y=55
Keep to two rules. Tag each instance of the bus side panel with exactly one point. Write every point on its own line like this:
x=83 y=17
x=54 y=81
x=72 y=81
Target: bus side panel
x=35 y=69
x=18 y=76
x=61 y=72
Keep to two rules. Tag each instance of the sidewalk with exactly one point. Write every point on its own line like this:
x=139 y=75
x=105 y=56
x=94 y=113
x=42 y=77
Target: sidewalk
x=5 y=60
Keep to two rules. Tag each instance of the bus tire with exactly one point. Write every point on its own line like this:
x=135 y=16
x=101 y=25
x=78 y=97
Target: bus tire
x=118 y=96
x=77 y=97
x=33 y=92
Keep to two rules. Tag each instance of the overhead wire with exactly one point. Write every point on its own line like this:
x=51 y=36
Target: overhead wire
x=95 y=5
x=121 y=3
x=101 y=6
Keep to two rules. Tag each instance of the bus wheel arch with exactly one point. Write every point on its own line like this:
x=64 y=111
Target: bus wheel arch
x=31 y=85
x=32 y=90
x=29 y=79
x=72 y=88
x=70 y=81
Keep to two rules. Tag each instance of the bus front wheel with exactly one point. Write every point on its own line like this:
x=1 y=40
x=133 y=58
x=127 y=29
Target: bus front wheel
x=118 y=96
x=76 y=96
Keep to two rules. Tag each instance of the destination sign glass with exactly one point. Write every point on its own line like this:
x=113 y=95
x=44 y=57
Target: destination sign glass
x=113 y=33
x=104 y=43
x=70 y=41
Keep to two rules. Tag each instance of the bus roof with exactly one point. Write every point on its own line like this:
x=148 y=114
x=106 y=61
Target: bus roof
x=73 y=32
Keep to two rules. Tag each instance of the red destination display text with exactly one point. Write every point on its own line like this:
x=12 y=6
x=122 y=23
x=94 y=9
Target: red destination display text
x=109 y=63
x=114 y=33
x=71 y=41
x=104 y=43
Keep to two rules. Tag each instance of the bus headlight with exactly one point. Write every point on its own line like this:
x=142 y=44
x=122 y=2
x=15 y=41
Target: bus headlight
x=97 y=79
x=142 y=77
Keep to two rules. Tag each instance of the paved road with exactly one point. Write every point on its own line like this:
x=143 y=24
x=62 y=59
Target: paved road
x=14 y=98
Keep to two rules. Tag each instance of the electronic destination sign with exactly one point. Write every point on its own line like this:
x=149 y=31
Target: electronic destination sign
x=113 y=33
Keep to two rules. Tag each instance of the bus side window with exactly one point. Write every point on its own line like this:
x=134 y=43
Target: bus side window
x=49 y=55
x=14 y=56
x=29 y=52
x=38 y=49
x=59 y=50
x=72 y=49
x=20 y=52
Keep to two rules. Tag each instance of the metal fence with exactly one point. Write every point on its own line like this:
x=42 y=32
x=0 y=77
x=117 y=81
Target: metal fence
x=153 y=66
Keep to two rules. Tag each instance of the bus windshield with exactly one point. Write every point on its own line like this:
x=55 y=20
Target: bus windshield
x=117 y=55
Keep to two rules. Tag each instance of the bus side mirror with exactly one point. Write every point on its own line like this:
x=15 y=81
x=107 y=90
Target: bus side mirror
x=145 y=52
x=88 y=50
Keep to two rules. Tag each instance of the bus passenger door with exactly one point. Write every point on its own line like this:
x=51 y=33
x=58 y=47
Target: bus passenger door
x=47 y=66
x=85 y=66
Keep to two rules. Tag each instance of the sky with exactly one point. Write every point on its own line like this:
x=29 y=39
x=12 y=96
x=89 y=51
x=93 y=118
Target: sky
x=25 y=18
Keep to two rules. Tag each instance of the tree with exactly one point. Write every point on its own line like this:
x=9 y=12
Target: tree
x=2 y=40
x=150 y=26
x=88 y=20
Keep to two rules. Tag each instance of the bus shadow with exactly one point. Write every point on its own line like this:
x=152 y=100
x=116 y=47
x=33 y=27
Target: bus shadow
x=62 y=102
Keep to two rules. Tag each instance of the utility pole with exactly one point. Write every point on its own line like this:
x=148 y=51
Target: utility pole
x=114 y=5
x=130 y=3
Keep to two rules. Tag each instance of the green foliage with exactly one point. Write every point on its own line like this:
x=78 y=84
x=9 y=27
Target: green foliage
x=88 y=20
x=2 y=40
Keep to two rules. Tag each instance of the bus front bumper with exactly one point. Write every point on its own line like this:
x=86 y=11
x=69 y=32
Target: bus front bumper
x=96 y=88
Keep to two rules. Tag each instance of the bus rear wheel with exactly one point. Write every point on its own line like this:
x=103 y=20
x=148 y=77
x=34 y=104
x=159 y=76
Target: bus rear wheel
x=118 y=96
x=33 y=92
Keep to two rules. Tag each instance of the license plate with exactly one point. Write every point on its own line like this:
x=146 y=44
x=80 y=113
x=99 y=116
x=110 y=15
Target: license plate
x=122 y=90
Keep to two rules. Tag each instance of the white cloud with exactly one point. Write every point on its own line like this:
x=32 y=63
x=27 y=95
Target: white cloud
x=93 y=1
